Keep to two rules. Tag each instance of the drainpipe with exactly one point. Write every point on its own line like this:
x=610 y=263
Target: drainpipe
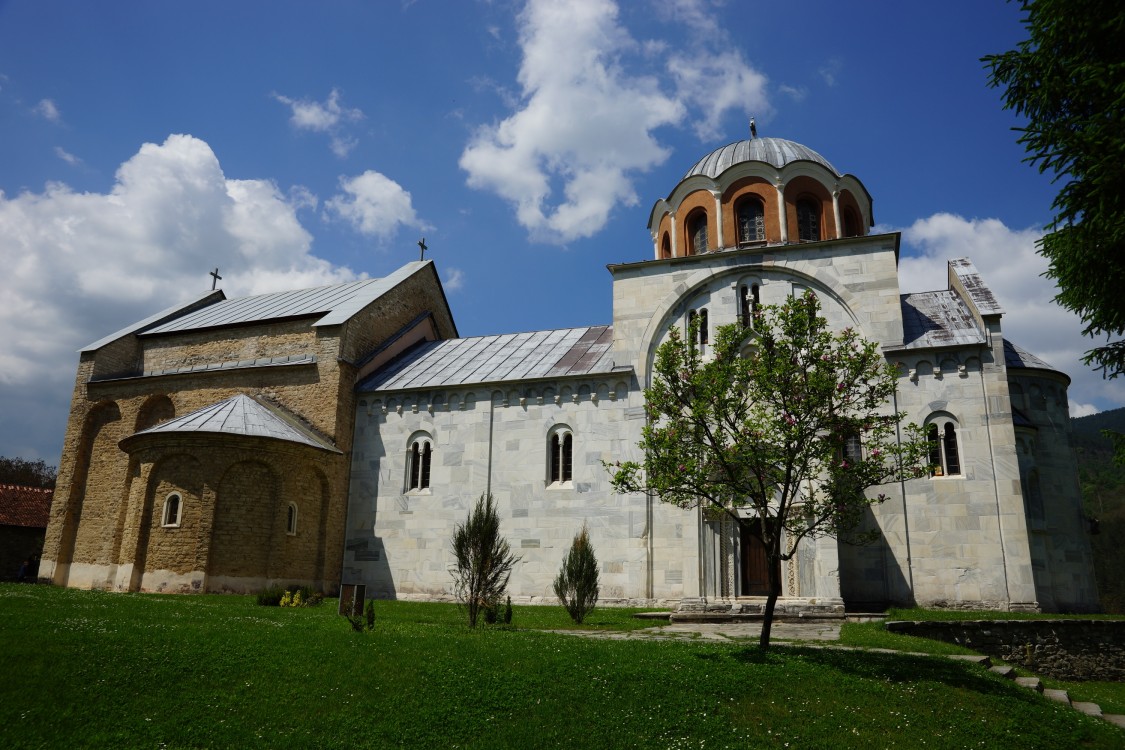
x=995 y=481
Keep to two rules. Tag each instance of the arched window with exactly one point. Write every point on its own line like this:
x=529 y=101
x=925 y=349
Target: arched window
x=851 y=223
x=749 y=298
x=561 y=458
x=808 y=220
x=666 y=247
x=697 y=233
x=291 y=520
x=421 y=451
x=751 y=218
x=703 y=335
x=944 y=454
x=172 y=510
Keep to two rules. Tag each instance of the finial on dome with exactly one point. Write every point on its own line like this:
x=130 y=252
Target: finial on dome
x=753 y=129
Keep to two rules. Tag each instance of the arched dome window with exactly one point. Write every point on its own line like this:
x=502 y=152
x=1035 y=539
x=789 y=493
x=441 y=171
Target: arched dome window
x=808 y=220
x=666 y=246
x=851 y=223
x=751 y=218
x=697 y=233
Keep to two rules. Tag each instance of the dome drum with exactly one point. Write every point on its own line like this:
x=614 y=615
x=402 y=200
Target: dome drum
x=764 y=191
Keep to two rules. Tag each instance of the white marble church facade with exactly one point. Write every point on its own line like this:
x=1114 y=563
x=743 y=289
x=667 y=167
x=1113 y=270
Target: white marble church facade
x=530 y=417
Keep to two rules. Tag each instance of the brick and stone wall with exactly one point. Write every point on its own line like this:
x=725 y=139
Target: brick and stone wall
x=1063 y=649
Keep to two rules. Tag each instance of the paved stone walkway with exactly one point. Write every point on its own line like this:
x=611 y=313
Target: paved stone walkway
x=785 y=630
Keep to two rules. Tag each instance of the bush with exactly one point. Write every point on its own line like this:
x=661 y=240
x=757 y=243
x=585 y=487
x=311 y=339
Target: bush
x=484 y=560
x=290 y=596
x=576 y=585
x=271 y=597
x=508 y=612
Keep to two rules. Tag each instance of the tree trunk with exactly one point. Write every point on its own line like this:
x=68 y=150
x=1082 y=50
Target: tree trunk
x=767 y=619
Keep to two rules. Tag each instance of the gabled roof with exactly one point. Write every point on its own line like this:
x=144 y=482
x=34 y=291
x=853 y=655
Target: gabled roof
x=335 y=304
x=933 y=319
x=563 y=352
x=25 y=506
x=243 y=416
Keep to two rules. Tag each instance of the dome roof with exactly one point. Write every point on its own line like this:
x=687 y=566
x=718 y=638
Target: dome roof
x=775 y=151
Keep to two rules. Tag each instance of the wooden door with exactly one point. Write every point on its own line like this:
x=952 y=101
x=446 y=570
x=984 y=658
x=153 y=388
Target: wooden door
x=755 y=566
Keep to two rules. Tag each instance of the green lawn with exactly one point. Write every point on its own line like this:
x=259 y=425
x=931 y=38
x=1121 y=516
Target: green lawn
x=89 y=669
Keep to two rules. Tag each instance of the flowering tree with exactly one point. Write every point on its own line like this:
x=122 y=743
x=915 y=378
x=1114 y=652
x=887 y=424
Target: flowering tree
x=787 y=419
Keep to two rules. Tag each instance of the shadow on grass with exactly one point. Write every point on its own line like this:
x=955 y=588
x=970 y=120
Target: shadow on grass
x=894 y=667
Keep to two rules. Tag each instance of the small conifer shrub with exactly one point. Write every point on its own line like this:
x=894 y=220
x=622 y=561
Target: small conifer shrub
x=576 y=585
x=484 y=561
x=508 y=612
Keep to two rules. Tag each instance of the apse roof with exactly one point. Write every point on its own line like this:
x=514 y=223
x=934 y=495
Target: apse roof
x=1015 y=356
x=492 y=359
x=243 y=416
x=29 y=507
x=774 y=151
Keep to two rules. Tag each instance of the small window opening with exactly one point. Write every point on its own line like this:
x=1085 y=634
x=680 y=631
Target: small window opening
x=697 y=231
x=665 y=247
x=703 y=335
x=749 y=300
x=944 y=455
x=291 y=520
x=751 y=221
x=562 y=456
x=420 y=455
x=172 y=510
x=808 y=221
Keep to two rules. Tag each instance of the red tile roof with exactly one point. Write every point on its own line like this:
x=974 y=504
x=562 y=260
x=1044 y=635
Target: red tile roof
x=24 y=506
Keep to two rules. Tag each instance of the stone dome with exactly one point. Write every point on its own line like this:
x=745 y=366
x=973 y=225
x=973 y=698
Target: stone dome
x=774 y=151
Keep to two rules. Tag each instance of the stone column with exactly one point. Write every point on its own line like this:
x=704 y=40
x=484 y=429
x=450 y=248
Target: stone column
x=675 y=235
x=782 y=218
x=836 y=212
x=718 y=219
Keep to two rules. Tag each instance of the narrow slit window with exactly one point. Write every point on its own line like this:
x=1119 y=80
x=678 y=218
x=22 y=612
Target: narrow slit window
x=703 y=335
x=172 y=510
x=291 y=520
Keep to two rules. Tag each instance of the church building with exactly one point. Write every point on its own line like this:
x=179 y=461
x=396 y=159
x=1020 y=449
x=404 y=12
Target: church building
x=339 y=434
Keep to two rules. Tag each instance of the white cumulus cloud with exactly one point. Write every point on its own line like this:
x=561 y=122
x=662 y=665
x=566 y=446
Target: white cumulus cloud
x=329 y=116
x=374 y=205
x=1013 y=270
x=584 y=124
x=79 y=265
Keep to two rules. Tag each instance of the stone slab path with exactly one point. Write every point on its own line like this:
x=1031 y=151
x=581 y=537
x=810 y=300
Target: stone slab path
x=785 y=630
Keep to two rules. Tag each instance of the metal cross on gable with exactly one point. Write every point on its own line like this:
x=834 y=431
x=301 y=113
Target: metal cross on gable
x=422 y=248
x=214 y=277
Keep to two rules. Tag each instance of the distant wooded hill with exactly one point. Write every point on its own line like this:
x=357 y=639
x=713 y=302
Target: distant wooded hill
x=1103 y=495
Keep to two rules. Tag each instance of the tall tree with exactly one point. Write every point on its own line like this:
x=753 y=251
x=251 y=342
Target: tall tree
x=786 y=426
x=31 y=473
x=1068 y=79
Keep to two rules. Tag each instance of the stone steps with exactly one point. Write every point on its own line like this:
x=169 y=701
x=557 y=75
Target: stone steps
x=1034 y=683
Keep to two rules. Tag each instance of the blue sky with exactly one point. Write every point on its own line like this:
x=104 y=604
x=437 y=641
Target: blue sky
x=294 y=144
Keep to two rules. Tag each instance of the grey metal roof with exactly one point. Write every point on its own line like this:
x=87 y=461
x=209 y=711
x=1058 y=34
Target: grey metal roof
x=774 y=151
x=934 y=319
x=1015 y=356
x=243 y=416
x=335 y=303
x=296 y=303
x=163 y=315
x=970 y=278
x=492 y=359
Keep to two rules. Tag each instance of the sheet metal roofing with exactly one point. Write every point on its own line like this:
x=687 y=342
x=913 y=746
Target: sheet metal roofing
x=293 y=304
x=494 y=359
x=774 y=151
x=335 y=303
x=932 y=319
x=244 y=416
x=970 y=278
x=1015 y=356
x=29 y=507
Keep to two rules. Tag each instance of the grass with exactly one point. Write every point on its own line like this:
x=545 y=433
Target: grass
x=91 y=669
x=953 y=614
